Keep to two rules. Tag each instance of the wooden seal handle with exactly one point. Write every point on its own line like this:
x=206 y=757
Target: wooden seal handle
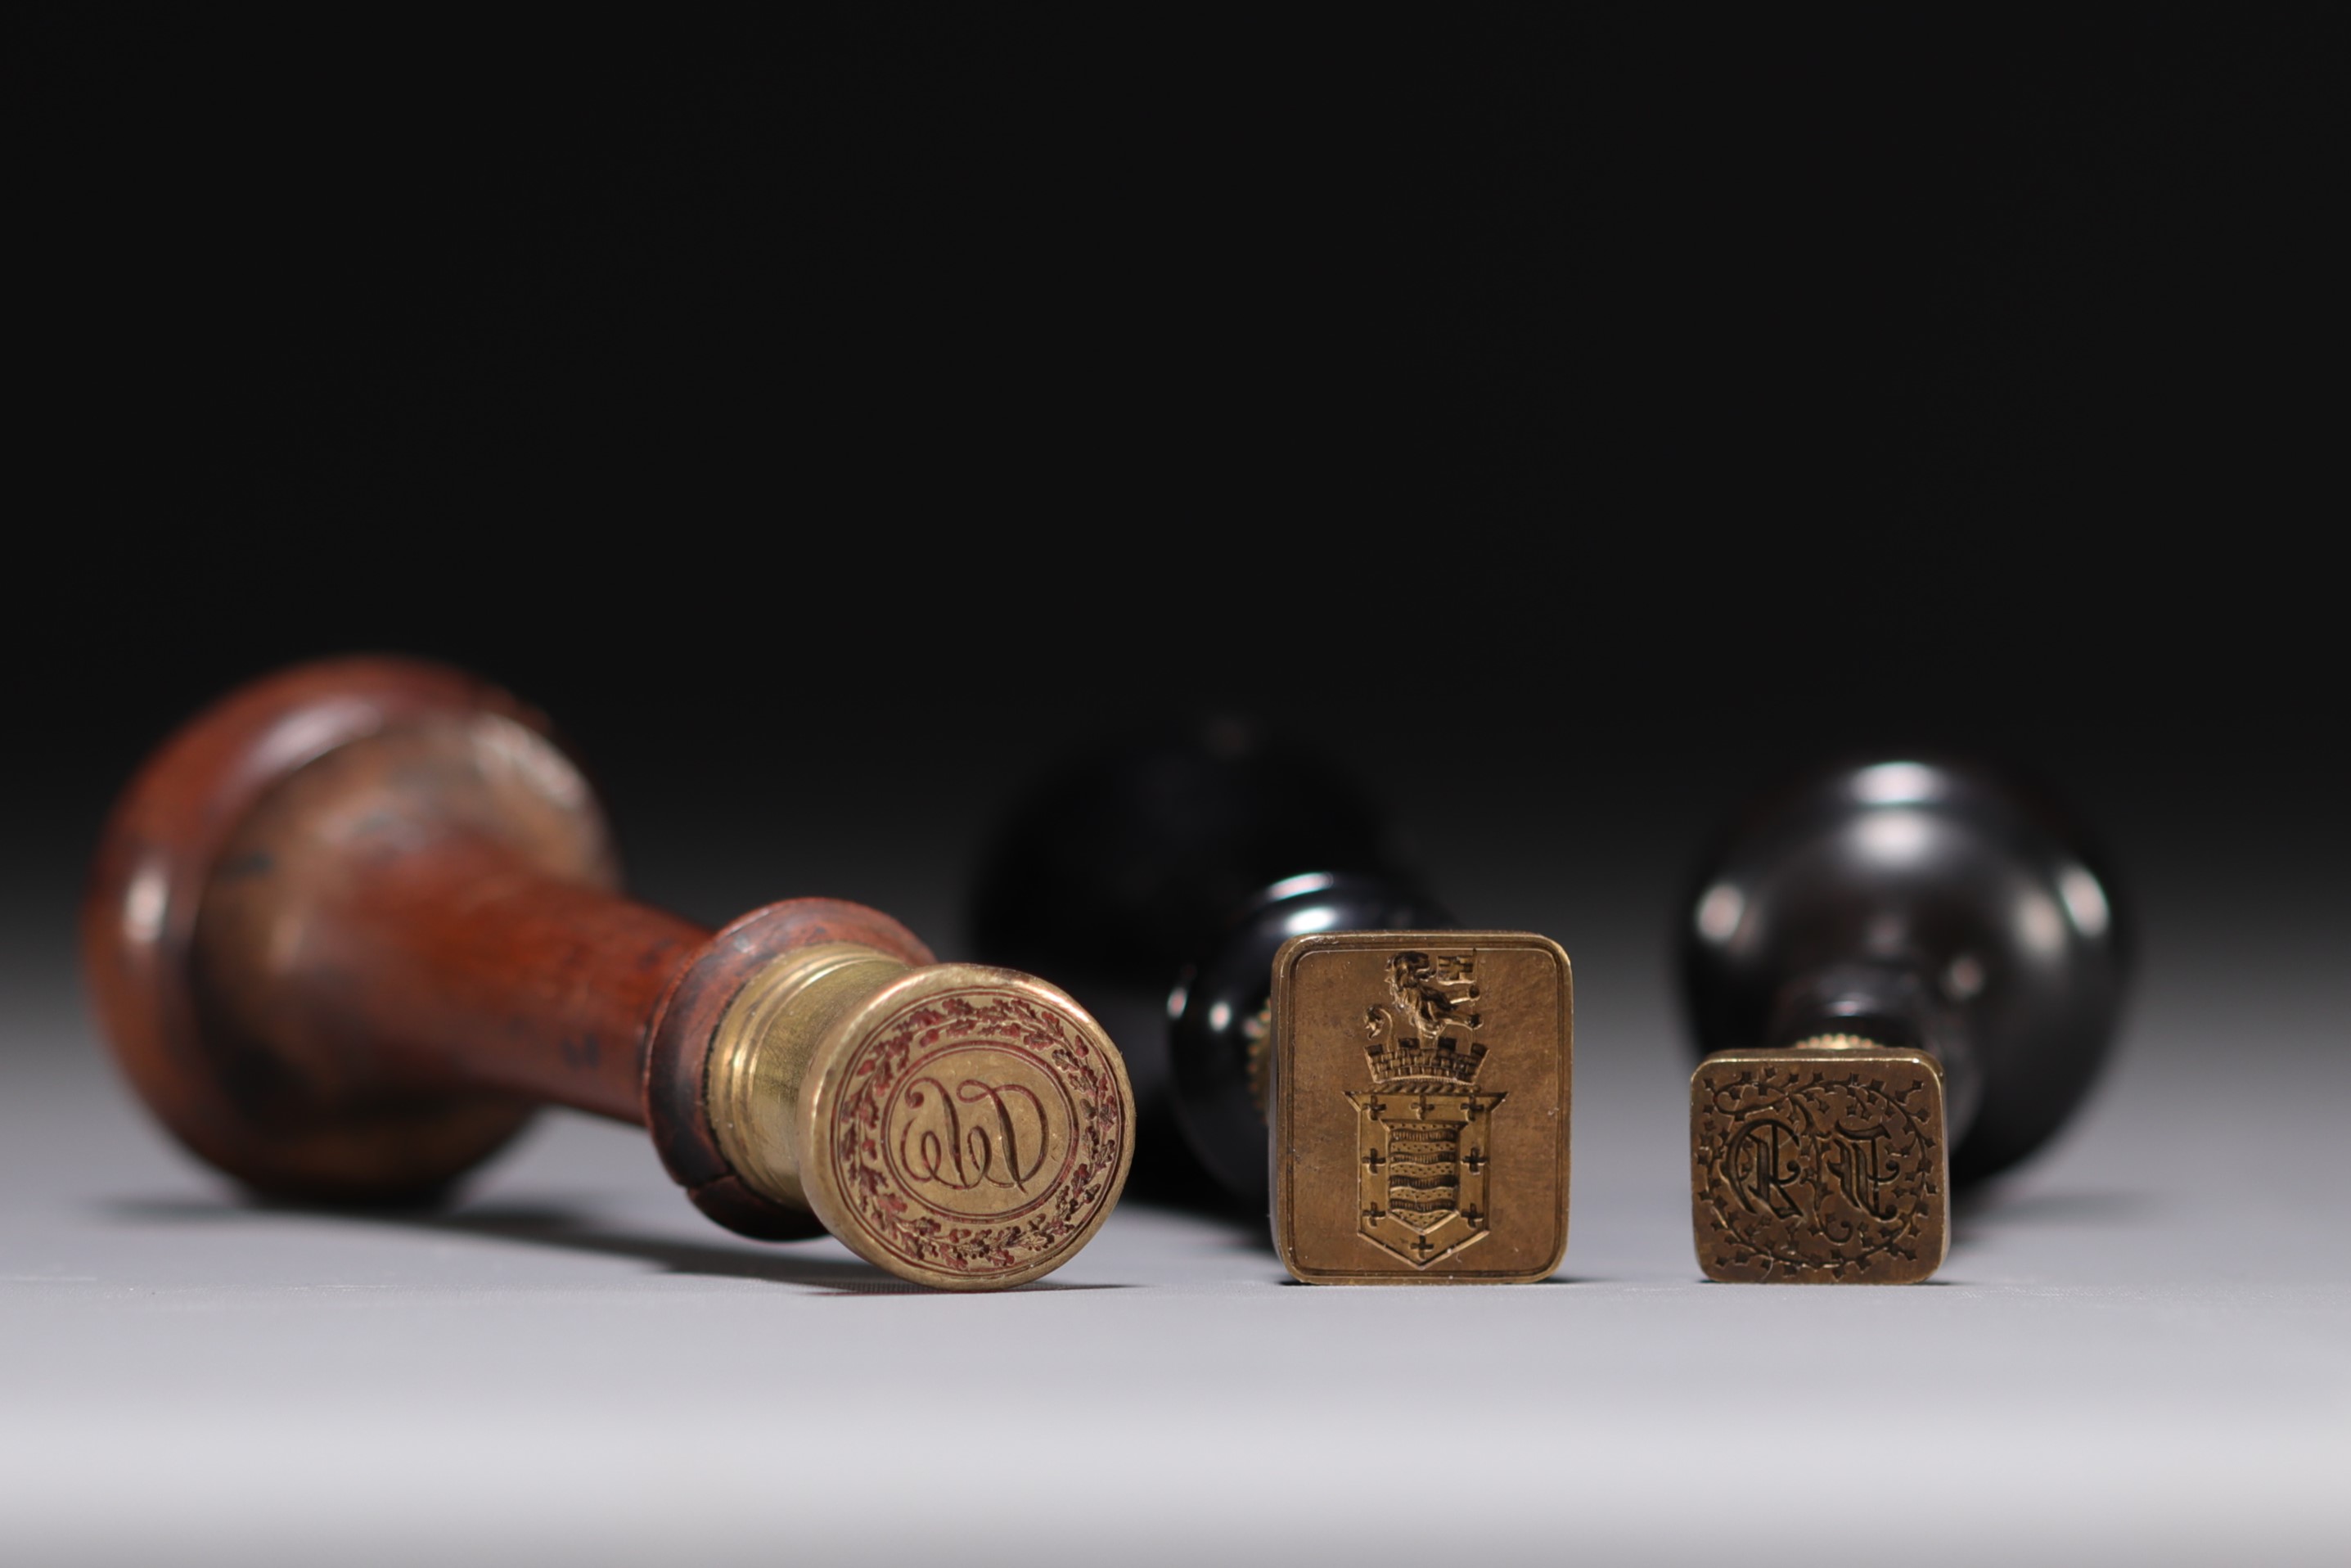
x=352 y=924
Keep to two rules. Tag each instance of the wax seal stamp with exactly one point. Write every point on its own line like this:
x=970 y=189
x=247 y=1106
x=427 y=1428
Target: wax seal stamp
x=349 y=927
x=959 y=1125
x=1827 y=1160
x=1420 y=1093
x=1906 y=975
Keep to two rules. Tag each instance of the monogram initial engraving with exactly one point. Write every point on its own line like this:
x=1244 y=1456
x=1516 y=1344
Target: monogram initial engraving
x=1761 y=1164
x=938 y=1146
x=1421 y=1127
x=1811 y=1170
x=978 y=1132
x=1866 y=1168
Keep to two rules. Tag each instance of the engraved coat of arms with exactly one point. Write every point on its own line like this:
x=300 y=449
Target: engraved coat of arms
x=1421 y=1140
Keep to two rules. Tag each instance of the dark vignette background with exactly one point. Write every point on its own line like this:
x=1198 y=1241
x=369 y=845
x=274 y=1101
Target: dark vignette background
x=832 y=421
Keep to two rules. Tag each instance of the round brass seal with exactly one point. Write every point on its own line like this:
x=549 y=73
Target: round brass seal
x=977 y=1132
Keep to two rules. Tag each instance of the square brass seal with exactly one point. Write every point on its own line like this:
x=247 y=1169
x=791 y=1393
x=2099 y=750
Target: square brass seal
x=1826 y=1166
x=1421 y=1083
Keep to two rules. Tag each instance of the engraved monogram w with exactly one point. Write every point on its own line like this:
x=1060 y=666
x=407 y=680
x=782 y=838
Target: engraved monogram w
x=1002 y=1144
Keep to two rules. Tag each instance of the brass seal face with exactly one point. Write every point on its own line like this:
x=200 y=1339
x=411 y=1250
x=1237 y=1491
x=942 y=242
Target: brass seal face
x=1421 y=1096
x=959 y=1125
x=1824 y=1164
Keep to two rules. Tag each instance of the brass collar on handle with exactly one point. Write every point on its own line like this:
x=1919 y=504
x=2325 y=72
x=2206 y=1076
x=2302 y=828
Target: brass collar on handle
x=760 y=1057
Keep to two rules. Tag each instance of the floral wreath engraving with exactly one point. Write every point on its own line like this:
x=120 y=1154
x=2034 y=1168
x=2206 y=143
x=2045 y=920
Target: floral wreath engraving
x=1806 y=1169
x=1041 y=1034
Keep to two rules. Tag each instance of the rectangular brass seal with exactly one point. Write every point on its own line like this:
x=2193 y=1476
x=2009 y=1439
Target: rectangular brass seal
x=1820 y=1166
x=1421 y=1088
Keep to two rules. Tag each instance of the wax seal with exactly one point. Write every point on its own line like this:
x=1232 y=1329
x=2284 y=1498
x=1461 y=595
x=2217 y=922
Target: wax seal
x=1904 y=974
x=351 y=925
x=1421 y=1100
x=1827 y=1161
x=964 y=1126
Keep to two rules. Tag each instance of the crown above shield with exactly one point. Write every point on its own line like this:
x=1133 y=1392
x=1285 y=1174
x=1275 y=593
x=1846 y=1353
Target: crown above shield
x=1421 y=1035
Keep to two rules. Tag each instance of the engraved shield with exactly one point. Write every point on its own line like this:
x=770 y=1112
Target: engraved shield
x=1424 y=1161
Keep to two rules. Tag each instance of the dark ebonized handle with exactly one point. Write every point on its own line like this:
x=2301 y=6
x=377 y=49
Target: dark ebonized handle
x=1936 y=905
x=1155 y=881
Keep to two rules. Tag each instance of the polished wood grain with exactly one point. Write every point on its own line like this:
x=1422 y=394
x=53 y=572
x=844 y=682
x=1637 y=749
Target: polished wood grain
x=351 y=925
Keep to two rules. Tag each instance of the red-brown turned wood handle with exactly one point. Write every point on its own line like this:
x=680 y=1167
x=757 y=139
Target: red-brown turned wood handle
x=352 y=924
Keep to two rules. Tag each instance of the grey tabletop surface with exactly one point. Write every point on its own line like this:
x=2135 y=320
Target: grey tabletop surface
x=2140 y=1351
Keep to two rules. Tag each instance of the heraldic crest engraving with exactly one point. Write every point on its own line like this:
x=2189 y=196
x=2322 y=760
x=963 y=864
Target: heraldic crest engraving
x=1421 y=1140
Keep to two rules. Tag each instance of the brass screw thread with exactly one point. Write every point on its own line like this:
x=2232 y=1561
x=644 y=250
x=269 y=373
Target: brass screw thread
x=1260 y=1032
x=761 y=1054
x=1829 y=1043
x=1836 y=1042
